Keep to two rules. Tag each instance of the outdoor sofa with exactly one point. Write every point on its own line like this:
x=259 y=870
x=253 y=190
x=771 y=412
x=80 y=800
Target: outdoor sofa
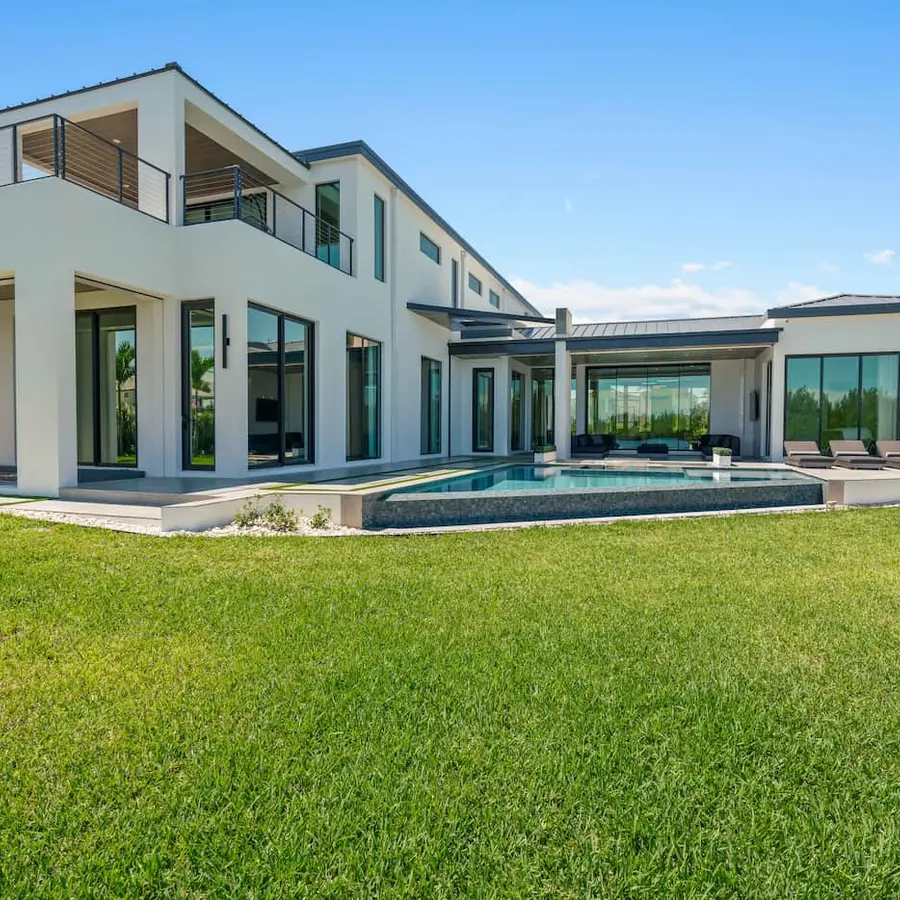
x=597 y=445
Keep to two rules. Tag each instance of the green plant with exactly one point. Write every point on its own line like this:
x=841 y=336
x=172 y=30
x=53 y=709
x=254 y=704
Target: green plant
x=278 y=517
x=321 y=518
x=721 y=451
x=538 y=447
x=248 y=515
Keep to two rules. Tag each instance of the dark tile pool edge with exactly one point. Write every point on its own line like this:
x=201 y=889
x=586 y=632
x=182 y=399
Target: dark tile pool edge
x=424 y=510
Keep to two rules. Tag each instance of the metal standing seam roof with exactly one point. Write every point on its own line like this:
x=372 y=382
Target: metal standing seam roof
x=653 y=327
x=839 y=305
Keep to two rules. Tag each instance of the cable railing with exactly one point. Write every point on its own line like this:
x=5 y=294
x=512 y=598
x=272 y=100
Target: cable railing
x=232 y=193
x=52 y=146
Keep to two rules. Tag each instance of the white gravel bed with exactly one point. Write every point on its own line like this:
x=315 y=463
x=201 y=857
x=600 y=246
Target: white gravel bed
x=303 y=529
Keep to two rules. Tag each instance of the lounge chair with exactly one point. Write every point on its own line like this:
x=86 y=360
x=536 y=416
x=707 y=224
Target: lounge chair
x=853 y=455
x=806 y=455
x=889 y=452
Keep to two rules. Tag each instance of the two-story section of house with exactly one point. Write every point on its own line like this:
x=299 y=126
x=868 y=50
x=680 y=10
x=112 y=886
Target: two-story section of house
x=181 y=293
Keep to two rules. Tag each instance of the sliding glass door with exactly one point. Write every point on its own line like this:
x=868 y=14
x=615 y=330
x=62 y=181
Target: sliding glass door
x=431 y=406
x=516 y=417
x=542 y=406
x=198 y=382
x=280 y=389
x=106 y=386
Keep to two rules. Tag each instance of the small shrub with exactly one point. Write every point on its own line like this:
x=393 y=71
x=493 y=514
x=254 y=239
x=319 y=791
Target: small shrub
x=321 y=518
x=278 y=517
x=248 y=515
x=537 y=447
x=721 y=451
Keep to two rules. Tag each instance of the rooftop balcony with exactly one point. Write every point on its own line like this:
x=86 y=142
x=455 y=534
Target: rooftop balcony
x=54 y=147
x=231 y=192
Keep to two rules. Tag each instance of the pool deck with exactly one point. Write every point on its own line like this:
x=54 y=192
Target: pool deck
x=197 y=503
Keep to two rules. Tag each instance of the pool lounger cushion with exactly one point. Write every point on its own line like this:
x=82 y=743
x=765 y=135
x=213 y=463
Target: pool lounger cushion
x=806 y=455
x=889 y=453
x=853 y=455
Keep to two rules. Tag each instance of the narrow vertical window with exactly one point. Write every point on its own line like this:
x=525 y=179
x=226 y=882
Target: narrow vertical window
x=515 y=411
x=363 y=398
x=483 y=410
x=379 y=238
x=454 y=283
x=494 y=299
x=431 y=405
x=198 y=342
x=328 y=223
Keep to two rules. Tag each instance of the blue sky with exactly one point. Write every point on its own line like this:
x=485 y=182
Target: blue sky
x=598 y=153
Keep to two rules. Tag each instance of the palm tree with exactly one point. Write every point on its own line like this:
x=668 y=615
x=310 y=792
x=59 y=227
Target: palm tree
x=125 y=359
x=200 y=365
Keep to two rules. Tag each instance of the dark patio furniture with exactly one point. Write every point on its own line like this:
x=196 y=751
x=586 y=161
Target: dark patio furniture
x=591 y=445
x=650 y=449
x=706 y=442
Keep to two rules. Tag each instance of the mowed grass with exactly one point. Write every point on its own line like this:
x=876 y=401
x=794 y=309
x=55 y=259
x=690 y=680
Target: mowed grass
x=689 y=708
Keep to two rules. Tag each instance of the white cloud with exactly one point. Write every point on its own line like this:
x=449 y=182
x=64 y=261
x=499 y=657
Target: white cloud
x=593 y=302
x=828 y=268
x=881 y=257
x=691 y=268
x=567 y=203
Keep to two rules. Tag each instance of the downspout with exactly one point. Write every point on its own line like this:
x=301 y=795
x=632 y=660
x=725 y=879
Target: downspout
x=395 y=378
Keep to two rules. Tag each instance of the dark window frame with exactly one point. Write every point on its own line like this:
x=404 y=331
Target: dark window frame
x=454 y=283
x=822 y=357
x=516 y=438
x=494 y=299
x=425 y=405
x=475 y=284
x=481 y=370
x=94 y=315
x=380 y=214
x=310 y=438
x=425 y=241
x=379 y=398
x=186 y=386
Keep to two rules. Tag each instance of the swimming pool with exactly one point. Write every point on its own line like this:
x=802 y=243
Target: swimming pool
x=517 y=493
x=566 y=478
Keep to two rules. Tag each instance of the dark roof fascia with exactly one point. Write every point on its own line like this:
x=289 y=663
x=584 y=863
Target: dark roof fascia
x=754 y=337
x=515 y=347
x=168 y=67
x=763 y=336
x=855 y=309
x=461 y=314
x=361 y=148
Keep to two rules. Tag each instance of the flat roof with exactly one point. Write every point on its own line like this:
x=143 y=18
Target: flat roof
x=361 y=148
x=454 y=316
x=839 y=305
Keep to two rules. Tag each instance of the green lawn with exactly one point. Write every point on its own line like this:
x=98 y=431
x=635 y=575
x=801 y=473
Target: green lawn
x=689 y=708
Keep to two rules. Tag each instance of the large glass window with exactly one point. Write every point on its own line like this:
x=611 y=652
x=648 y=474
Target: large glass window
x=431 y=406
x=363 y=398
x=542 y=406
x=280 y=389
x=379 y=238
x=665 y=404
x=106 y=386
x=830 y=398
x=199 y=384
x=483 y=410
x=328 y=223
x=516 y=418
x=429 y=248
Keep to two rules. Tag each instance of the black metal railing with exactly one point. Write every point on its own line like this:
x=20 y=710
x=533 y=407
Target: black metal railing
x=232 y=193
x=52 y=146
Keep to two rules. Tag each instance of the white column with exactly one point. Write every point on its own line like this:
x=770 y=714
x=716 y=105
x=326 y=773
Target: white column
x=580 y=394
x=562 y=386
x=46 y=441
x=161 y=142
x=562 y=400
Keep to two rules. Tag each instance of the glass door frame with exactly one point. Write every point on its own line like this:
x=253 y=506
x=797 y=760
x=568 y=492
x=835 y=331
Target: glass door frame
x=97 y=433
x=186 y=386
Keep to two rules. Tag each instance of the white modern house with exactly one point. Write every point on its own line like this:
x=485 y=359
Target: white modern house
x=179 y=293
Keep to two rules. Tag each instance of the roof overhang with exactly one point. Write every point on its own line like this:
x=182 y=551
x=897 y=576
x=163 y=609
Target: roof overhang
x=749 y=342
x=854 y=309
x=456 y=319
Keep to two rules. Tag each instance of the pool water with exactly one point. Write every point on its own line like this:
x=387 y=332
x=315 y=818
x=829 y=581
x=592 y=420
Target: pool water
x=520 y=479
